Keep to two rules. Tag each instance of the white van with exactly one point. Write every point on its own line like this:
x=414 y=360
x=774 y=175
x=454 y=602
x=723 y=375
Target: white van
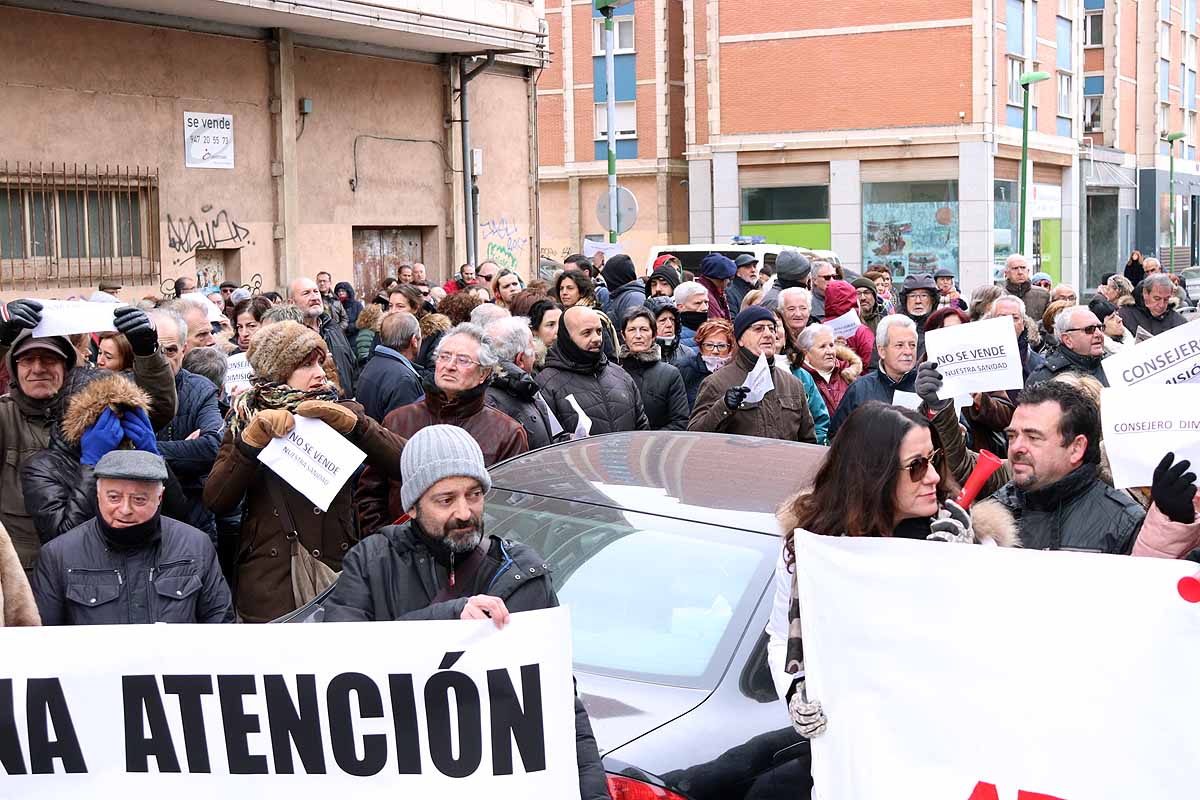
x=690 y=255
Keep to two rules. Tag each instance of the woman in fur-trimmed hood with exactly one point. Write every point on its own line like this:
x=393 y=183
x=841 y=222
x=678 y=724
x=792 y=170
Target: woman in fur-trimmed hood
x=17 y=607
x=853 y=494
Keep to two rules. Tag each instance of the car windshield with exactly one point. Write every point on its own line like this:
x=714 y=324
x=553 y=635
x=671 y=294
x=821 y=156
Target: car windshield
x=651 y=598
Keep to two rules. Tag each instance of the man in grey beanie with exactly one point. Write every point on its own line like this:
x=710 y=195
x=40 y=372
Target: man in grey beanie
x=438 y=564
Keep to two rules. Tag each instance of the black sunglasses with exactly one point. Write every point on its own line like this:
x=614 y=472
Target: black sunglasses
x=1090 y=330
x=919 y=466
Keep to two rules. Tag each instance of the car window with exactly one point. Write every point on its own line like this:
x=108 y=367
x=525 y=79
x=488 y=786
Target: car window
x=651 y=597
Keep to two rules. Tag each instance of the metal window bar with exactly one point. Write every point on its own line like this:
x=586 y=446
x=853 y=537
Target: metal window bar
x=69 y=225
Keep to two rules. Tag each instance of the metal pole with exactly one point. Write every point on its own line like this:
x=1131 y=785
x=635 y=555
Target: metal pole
x=468 y=178
x=611 y=114
x=1024 y=169
x=1172 y=212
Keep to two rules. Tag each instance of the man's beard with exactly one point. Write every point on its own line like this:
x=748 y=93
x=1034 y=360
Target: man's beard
x=461 y=536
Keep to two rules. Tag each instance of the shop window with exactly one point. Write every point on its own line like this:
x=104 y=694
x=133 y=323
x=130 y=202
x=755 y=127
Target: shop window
x=1093 y=29
x=910 y=227
x=622 y=34
x=626 y=116
x=1004 y=224
x=785 y=204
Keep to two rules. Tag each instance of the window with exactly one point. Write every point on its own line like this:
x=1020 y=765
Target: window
x=1064 y=94
x=1092 y=120
x=1189 y=50
x=1093 y=29
x=910 y=227
x=1164 y=80
x=1189 y=88
x=1164 y=40
x=626 y=114
x=785 y=204
x=1014 y=26
x=1062 y=38
x=1164 y=9
x=1164 y=120
x=74 y=223
x=1064 y=8
x=622 y=32
x=1016 y=67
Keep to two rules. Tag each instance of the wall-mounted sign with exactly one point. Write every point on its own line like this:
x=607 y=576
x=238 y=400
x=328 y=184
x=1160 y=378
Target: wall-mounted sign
x=207 y=140
x=1045 y=201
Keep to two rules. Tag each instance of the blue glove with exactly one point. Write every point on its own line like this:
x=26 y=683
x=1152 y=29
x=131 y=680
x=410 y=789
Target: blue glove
x=101 y=438
x=139 y=431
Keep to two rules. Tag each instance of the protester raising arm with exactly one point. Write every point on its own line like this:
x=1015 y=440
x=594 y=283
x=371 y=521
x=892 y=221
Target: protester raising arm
x=151 y=370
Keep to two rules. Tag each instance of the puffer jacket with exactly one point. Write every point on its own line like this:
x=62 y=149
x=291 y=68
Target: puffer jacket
x=781 y=414
x=395 y=576
x=264 y=589
x=1078 y=512
x=840 y=297
x=605 y=392
x=17 y=607
x=849 y=368
x=1138 y=316
x=82 y=580
x=515 y=392
x=343 y=354
x=192 y=459
x=1064 y=360
x=661 y=387
x=876 y=385
x=499 y=436
x=623 y=300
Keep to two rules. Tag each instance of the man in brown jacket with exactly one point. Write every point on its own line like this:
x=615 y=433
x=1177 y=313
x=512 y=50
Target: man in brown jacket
x=721 y=405
x=465 y=362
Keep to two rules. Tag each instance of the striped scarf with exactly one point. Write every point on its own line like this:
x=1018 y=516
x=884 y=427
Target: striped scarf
x=264 y=396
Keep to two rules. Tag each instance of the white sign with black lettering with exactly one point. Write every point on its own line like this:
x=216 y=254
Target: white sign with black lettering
x=1143 y=423
x=65 y=317
x=207 y=140
x=976 y=357
x=846 y=325
x=1171 y=357
x=314 y=459
x=238 y=374
x=368 y=710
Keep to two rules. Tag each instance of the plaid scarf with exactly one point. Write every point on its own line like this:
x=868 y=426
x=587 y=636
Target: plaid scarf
x=264 y=396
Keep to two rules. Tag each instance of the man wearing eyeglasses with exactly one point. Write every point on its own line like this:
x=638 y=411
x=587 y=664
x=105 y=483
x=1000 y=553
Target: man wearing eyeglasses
x=465 y=361
x=1080 y=347
x=1151 y=311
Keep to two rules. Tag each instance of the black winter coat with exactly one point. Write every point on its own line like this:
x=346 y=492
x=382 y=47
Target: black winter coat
x=388 y=381
x=515 y=392
x=343 y=354
x=393 y=575
x=663 y=394
x=693 y=372
x=605 y=392
x=876 y=385
x=81 y=580
x=1064 y=360
x=1078 y=512
x=191 y=460
x=623 y=300
x=1138 y=316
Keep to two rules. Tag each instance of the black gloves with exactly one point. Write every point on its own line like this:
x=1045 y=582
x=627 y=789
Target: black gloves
x=134 y=323
x=17 y=316
x=929 y=383
x=735 y=396
x=1173 y=490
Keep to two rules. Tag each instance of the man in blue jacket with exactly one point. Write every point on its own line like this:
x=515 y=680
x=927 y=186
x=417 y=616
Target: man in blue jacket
x=896 y=341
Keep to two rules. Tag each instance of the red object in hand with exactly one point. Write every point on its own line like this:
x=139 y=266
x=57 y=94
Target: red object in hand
x=1189 y=588
x=985 y=466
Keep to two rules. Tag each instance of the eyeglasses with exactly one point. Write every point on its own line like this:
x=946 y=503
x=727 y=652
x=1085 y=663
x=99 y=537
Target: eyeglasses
x=919 y=466
x=713 y=347
x=1090 y=330
x=460 y=361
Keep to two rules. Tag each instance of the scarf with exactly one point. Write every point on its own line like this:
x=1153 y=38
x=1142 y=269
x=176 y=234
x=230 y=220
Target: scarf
x=266 y=396
x=133 y=537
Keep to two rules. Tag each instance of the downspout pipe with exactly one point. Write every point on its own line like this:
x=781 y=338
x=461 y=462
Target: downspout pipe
x=470 y=214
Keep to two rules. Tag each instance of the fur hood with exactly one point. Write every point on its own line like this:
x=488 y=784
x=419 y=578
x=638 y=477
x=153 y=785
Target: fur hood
x=854 y=365
x=17 y=607
x=103 y=390
x=1032 y=333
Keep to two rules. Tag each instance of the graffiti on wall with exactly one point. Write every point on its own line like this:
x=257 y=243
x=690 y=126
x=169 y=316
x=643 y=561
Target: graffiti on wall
x=504 y=242
x=211 y=231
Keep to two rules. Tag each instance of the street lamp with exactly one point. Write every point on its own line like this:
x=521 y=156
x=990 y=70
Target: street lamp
x=1026 y=81
x=1172 y=138
x=606 y=9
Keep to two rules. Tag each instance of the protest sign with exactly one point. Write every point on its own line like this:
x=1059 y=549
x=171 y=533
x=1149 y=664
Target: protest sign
x=976 y=357
x=1006 y=670
x=307 y=712
x=314 y=459
x=1171 y=357
x=759 y=381
x=238 y=373
x=1143 y=423
x=609 y=249
x=846 y=325
x=65 y=317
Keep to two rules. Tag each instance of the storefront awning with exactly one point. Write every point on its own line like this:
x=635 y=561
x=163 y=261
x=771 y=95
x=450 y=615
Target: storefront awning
x=1103 y=174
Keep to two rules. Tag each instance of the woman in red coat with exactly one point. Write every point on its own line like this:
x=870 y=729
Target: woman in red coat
x=833 y=368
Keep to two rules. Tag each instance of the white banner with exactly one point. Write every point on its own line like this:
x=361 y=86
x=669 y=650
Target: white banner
x=956 y=672
x=238 y=374
x=1143 y=423
x=976 y=357
x=314 y=459
x=304 y=712
x=1171 y=357
x=609 y=249
x=65 y=317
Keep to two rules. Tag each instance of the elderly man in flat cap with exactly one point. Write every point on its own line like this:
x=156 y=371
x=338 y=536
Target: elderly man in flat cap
x=130 y=564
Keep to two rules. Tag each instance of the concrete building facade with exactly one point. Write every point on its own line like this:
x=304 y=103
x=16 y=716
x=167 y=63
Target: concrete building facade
x=147 y=139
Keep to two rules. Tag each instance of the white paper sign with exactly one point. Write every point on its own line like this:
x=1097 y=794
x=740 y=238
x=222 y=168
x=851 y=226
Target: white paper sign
x=969 y=636
x=207 y=140
x=976 y=357
x=1171 y=357
x=210 y=308
x=65 y=317
x=314 y=459
x=583 y=425
x=362 y=709
x=238 y=374
x=906 y=399
x=846 y=325
x=609 y=249
x=759 y=381
x=1143 y=423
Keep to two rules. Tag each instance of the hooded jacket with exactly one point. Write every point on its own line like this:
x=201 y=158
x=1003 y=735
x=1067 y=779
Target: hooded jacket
x=515 y=392
x=840 y=297
x=913 y=283
x=674 y=351
x=607 y=394
x=875 y=385
x=1138 y=316
x=782 y=413
x=1066 y=360
x=1035 y=297
x=17 y=606
x=352 y=306
x=848 y=369
x=718 y=306
x=499 y=436
x=192 y=459
x=661 y=386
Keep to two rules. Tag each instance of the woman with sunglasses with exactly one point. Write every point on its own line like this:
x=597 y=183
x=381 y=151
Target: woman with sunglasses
x=853 y=494
x=715 y=348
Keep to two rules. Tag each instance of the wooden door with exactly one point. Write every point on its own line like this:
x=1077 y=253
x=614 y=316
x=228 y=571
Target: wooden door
x=379 y=253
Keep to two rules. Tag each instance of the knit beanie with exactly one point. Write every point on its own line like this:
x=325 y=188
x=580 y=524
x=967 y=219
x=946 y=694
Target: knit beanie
x=717 y=267
x=749 y=316
x=668 y=274
x=279 y=349
x=436 y=452
x=868 y=284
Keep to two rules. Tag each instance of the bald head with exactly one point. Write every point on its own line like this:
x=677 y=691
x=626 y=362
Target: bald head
x=584 y=327
x=307 y=297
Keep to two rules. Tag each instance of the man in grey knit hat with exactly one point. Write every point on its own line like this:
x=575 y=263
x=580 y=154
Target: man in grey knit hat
x=438 y=564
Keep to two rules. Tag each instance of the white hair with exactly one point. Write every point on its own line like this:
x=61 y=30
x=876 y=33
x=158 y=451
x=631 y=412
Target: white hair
x=1005 y=298
x=1062 y=320
x=687 y=290
x=487 y=353
x=485 y=314
x=795 y=291
x=511 y=336
x=808 y=336
x=883 y=329
x=1158 y=280
x=164 y=317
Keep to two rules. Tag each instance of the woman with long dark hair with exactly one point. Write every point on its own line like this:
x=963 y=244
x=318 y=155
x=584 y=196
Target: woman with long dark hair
x=883 y=476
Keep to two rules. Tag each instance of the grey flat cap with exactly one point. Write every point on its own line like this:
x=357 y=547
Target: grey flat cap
x=745 y=259
x=132 y=465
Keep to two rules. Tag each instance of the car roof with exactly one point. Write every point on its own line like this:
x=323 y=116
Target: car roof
x=710 y=478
